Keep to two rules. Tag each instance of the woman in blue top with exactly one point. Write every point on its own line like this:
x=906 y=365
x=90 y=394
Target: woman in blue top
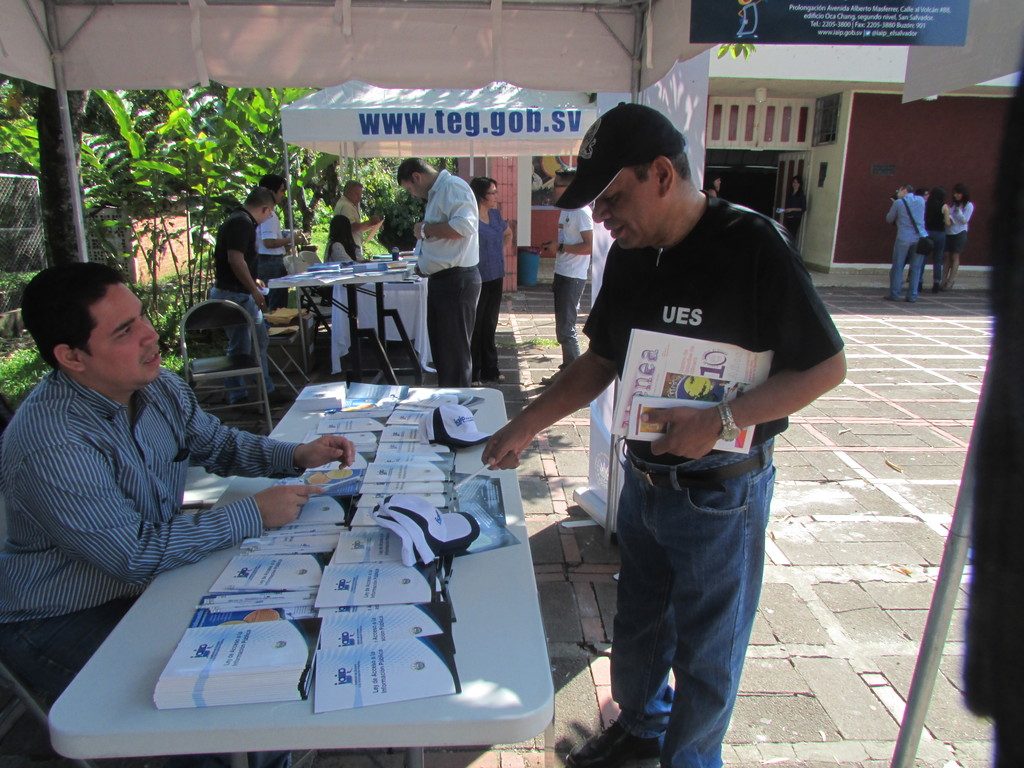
x=495 y=233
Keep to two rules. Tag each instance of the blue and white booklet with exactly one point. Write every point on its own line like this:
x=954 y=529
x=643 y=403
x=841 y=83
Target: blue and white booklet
x=380 y=624
x=293 y=542
x=271 y=573
x=375 y=584
x=205 y=617
x=367 y=545
x=239 y=663
x=250 y=601
x=361 y=676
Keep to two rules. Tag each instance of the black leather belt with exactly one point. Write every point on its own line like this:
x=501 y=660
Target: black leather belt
x=663 y=476
x=450 y=272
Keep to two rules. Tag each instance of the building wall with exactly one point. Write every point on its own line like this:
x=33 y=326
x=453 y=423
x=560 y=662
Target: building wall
x=503 y=170
x=926 y=143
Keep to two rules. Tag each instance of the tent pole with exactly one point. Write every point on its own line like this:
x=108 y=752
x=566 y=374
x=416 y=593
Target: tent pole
x=288 y=187
x=70 y=153
x=936 y=628
x=637 y=55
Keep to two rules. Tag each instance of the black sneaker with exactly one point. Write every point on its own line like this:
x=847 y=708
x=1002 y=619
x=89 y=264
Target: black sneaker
x=612 y=748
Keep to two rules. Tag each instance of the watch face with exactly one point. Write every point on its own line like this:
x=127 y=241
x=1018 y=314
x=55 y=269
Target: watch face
x=730 y=433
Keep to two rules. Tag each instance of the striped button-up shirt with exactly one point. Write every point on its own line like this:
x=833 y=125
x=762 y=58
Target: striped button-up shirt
x=93 y=496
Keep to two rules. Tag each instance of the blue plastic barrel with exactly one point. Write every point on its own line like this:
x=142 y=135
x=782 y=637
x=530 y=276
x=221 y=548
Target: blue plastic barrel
x=528 y=266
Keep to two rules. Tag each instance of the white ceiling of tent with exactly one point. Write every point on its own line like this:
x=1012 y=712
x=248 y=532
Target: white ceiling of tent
x=544 y=44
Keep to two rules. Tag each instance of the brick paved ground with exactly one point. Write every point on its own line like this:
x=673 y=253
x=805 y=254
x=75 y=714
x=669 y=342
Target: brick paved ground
x=867 y=481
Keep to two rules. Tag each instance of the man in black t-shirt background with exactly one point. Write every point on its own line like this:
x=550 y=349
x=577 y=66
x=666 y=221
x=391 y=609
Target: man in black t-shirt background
x=234 y=261
x=691 y=520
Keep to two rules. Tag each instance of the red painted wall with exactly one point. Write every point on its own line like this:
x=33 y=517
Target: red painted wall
x=543 y=225
x=929 y=143
x=503 y=171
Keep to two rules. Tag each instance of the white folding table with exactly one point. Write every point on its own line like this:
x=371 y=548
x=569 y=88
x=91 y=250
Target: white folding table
x=375 y=332
x=501 y=655
x=408 y=298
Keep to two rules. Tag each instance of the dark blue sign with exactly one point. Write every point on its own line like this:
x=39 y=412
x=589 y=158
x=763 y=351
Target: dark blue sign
x=830 y=22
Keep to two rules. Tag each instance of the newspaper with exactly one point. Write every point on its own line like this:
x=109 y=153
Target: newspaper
x=662 y=370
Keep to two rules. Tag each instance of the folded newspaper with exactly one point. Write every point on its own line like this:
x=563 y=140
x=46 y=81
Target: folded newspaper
x=663 y=371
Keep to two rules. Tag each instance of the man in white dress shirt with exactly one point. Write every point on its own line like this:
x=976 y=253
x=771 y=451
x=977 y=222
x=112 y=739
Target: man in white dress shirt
x=449 y=252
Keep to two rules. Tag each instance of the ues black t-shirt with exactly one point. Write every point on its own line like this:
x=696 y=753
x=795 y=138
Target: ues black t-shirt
x=733 y=279
x=237 y=233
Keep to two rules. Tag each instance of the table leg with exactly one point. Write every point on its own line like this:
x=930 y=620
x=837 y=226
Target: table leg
x=356 y=373
x=372 y=335
x=413 y=757
x=396 y=318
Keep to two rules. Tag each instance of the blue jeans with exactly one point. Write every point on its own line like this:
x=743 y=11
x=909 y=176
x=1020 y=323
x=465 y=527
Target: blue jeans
x=269 y=266
x=240 y=344
x=692 y=563
x=905 y=252
x=46 y=654
x=568 y=291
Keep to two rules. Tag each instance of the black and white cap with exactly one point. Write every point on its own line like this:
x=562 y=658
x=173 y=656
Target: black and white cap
x=452 y=425
x=629 y=134
x=425 y=532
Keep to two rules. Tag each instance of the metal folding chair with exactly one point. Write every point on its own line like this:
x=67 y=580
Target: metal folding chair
x=207 y=373
x=282 y=342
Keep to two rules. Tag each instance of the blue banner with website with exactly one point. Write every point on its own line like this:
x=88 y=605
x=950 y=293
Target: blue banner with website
x=829 y=22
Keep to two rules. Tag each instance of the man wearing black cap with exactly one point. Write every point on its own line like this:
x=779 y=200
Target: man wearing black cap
x=692 y=520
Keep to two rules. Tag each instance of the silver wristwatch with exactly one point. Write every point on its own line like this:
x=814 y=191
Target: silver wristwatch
x=729 y=429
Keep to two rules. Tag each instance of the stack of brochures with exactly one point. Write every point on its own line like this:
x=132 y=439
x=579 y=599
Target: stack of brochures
x=326 y=598
x=240 y=662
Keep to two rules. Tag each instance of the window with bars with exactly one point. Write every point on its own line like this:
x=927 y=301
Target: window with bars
x=826 y=119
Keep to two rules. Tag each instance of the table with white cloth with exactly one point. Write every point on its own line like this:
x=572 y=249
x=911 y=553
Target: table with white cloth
x=408 y=298
x=507 y=691
x=348 y=285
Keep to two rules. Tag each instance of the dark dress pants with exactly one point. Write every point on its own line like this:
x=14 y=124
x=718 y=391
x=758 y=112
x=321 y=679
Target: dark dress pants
x=451 y=311
x=485 y=351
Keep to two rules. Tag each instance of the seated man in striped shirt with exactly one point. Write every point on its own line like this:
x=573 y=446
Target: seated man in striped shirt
x=92 y=470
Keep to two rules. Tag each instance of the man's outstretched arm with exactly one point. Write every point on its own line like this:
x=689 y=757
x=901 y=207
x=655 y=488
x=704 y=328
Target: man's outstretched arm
x=578 y=385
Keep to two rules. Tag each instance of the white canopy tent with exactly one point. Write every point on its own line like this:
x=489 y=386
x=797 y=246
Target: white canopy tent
x=992 y=50
x=597 y=45
x=498 y=120
x=361 y=120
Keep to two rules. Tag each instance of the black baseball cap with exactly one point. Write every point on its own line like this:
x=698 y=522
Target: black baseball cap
x=629 y=134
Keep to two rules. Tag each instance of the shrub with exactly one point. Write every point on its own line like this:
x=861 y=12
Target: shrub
x=20 y=371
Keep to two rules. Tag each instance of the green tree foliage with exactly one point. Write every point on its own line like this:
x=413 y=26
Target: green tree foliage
x=170 y=164
x=735 y=50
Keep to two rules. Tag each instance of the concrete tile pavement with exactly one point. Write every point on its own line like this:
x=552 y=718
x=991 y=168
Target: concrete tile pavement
x=868 y=477
x=867 y=480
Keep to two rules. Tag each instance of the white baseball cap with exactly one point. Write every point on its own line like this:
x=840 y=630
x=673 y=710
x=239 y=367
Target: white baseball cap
x=425 y=532
x=453 y=425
